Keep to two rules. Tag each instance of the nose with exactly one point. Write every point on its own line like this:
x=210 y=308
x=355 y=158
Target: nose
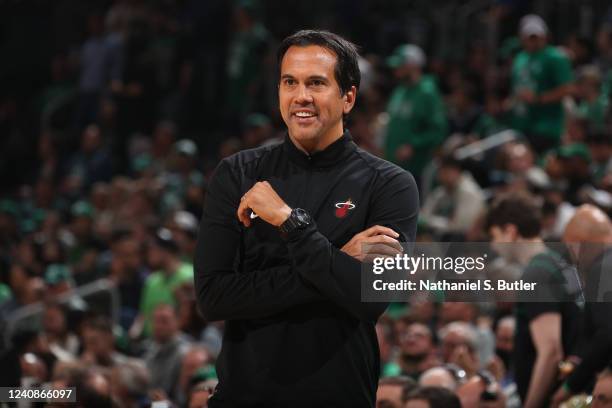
x=303 y=96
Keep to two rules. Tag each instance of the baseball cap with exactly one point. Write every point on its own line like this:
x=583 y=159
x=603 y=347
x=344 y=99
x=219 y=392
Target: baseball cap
x=407 y=54
x=574 y=150
x=57 y=273
x=186 y=221
x=532 y=24
x=82 y=209
x=165 y=239
x=186 y=147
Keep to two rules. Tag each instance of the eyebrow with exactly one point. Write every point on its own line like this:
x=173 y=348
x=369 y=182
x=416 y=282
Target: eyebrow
x=310 y=78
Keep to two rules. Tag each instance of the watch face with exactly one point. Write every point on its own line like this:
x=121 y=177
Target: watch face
x=302 y=216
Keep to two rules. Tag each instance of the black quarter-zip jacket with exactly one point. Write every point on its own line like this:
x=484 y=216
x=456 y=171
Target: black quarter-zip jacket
x=297 y=333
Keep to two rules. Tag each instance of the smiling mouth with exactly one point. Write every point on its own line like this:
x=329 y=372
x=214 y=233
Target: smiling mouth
x=304 y=115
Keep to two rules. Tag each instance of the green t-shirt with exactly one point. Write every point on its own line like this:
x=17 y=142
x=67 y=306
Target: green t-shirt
x=541 y=71
x=416 y=117
x=159 y=289
x=594 y=112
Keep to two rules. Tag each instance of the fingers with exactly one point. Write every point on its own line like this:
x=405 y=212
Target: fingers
x=243 y=211
x=379 y=230
x=386 y=240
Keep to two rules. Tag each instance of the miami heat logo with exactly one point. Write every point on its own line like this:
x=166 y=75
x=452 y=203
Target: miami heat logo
x=342 y=209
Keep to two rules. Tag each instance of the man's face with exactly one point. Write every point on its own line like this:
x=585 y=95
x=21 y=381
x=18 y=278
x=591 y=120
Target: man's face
x=504 y=337
x=164 y=324
x=500 y=237
x=389 y=396
x=310 y=99
x=532 y=43
x=602 y=394
x=416 y=340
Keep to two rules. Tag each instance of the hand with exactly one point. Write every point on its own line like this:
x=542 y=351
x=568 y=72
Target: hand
x=404 y=152
x=462 y=357
x=262 y=200
x=560 y=396
x=381 y=240
x=527 y=96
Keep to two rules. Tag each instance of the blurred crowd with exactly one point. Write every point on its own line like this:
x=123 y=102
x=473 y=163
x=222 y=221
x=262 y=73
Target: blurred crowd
x=114 y=115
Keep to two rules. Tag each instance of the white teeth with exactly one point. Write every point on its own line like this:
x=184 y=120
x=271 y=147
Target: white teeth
x=304 y=114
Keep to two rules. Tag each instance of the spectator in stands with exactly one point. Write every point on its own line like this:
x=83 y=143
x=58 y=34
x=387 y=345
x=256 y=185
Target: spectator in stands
x=441 y=377
x=483 y=391
x=541 y=77
x=166 y=350
x=452 y=207
x=459 y=346
x=171 y=273
x=128 y=271
x=417 y=123
x=99 y=343
x=593 y=99
x=589 y=238
x=504 y=345
x=199 y=394
x=417 y=351
x=392 y=392
x=62 y=343
x=432 y=397
x=602 y=393
x=92 y=163
x=195 y=358
x=130 y=385
x=546 y=331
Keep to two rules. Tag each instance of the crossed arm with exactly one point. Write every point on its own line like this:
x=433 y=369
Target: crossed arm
x=318 y=271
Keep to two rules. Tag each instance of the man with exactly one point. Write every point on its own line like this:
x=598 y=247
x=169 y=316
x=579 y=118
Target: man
x=166 y=350
x=160 y=286
x=455 y=205
x=417 y=121
x=432 y=397
x=280 y=245
x=417 y=351
x=541 y=78
x=99 y=343
x=393 y=391
x=592 y=230
x=602 y=393
x=545 y=330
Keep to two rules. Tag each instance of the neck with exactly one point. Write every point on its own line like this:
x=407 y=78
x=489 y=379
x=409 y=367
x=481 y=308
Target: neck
x=318 y=144
x=171 y=265
x=530 y=248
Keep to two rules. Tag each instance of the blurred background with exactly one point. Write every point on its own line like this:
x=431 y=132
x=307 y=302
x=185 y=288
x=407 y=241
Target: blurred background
x=113 y=115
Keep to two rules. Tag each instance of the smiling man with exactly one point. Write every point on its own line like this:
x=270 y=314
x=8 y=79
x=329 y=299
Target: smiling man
x=280 y=246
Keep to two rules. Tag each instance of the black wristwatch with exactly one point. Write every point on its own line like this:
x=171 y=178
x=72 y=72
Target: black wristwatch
x=298 y=219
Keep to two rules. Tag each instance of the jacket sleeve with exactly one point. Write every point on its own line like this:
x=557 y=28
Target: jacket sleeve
x=338 y=275
x=222 y=292
x=597 y=352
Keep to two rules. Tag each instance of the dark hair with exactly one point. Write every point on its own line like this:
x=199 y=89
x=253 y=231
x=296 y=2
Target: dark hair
x=346 y=72
x=517 y=209
x=408 y=384
x=450 y=160
x=99 y=323
x=437 y=397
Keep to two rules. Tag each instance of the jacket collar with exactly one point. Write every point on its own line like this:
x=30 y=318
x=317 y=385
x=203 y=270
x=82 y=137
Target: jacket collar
x=335 y=153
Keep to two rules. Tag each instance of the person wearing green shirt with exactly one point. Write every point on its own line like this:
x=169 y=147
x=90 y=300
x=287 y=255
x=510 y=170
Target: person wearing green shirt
x=160 y=286
x=417 y=120
x=593 y=104
x=541 y=77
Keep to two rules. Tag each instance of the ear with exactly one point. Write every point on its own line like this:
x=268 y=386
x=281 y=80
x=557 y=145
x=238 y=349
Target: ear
x=349 y=100
x=511 y=230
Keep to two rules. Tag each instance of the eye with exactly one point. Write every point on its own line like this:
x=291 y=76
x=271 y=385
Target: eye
x=289 y=81
x=317 y=82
